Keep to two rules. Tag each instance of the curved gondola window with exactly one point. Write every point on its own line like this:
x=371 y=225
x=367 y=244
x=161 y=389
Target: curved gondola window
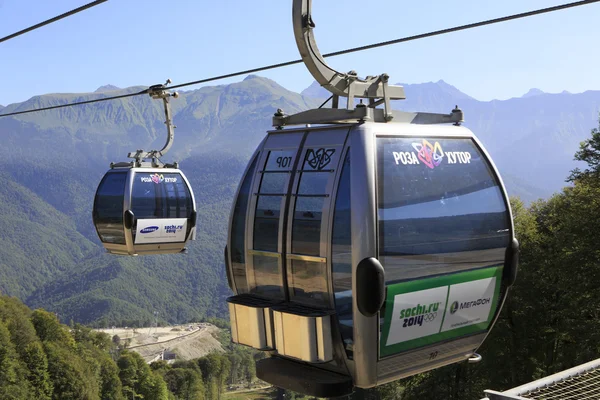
x=272 y=192
x=109 y=208
x=440 y=208
x=163 y=195
x=341 y=258
x=238 y=232
x=308 y=281
x=160 y=196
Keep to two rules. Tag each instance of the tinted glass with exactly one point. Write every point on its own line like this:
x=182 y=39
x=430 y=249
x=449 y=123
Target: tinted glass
x=341 y=258
x=317 y=168
x=109 y=208
x=440 y=208
x=163 y=195
x=266 y=223
x=266 y=276
x=308 y=282
x=274 y=183
x=238 y=232
x=313 y=182
x=306 y=230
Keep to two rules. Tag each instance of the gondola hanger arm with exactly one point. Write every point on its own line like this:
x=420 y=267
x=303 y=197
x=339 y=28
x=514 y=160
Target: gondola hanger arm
x=159 y=92
x=340 y=84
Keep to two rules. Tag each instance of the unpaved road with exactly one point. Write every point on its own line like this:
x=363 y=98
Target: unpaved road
x=187 y=341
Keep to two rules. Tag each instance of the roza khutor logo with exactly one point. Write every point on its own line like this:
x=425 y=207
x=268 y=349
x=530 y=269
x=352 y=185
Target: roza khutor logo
x=419 y=314
x=431 y=155
x=156 y=178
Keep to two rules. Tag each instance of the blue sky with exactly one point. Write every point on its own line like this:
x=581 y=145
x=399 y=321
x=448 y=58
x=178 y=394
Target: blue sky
x=143 y=42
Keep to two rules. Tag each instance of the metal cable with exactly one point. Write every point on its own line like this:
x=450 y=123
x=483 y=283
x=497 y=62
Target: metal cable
x=51 y=20
x=336 y=53
x=145 y=91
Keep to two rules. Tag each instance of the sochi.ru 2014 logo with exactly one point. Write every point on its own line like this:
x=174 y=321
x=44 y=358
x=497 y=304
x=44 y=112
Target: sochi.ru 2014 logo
x=454 y=307
x=419 y=314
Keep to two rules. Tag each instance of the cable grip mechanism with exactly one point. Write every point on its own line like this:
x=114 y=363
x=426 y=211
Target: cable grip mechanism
x=159 y=91
x=375 y=88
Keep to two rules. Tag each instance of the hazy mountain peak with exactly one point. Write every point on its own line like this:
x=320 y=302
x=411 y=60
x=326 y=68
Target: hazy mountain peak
x=252 y=76
x=107 y=88
x=533 y=92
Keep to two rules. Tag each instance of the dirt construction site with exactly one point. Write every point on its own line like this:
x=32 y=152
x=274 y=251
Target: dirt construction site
x=180 y=342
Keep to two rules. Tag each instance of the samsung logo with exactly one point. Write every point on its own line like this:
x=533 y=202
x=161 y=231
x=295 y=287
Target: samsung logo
x=149 y=229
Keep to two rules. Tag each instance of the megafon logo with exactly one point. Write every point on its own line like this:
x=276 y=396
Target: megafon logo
x=419 y=314
x=454 y=307
x=149 y=229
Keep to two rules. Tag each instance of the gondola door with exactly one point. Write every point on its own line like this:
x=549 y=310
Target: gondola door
x=267 y=222
x=308 y=272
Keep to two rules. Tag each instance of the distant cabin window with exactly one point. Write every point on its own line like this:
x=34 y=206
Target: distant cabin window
x=341 y=258
x=157 y=195
x=440 y=207
x=109 y=208
x=238 y=232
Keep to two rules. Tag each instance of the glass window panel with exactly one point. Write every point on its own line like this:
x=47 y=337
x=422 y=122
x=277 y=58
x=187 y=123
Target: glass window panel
x=314 y=182
x=274 y=183
x=152 y=193
x=280 y=160
x=341 y=258
x=320 y=158
x=238 y=232
x=266 y=223
x=109 y=208
x=267 y=276
x=309 y=282
x=440 y=208
x=306 y=228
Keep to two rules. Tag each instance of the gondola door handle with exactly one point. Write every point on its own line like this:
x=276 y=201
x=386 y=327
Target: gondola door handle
x=128 y=218
x=370 y=286
x=511 y=263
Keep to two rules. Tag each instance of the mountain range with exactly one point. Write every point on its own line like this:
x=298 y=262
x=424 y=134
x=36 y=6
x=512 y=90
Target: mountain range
x=53 y=160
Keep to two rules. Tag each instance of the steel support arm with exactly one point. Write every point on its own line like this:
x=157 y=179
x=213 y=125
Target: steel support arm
x=340 y=84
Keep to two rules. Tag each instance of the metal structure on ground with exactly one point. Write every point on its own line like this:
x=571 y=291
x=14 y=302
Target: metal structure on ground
x=578 y=383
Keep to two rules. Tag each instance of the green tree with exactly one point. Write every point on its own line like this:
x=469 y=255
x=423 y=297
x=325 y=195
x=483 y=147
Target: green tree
x=37 y=367
x=48 y=328
x=70 y=375
x=12 y=384
x=139 y=380
x=589 y=152
x=185 y=383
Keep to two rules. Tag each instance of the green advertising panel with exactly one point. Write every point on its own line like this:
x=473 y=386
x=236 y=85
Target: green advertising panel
x=426 y=311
